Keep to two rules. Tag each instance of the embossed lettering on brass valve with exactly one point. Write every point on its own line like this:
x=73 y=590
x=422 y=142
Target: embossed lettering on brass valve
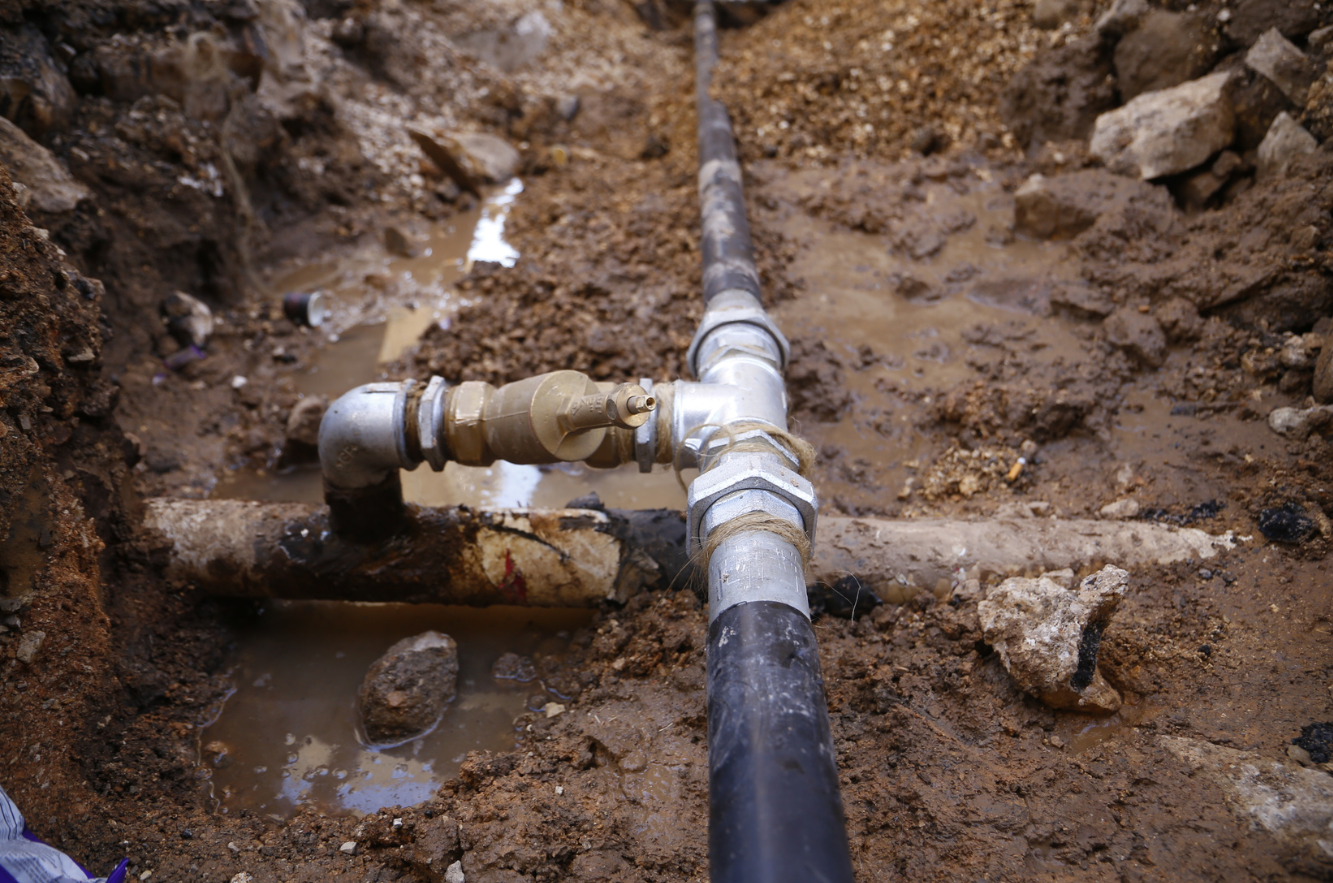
x=561 y=416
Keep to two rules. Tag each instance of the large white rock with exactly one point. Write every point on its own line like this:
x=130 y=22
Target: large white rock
x=1168 y=131
x=49 y=185
x=1047 y=636
x=1286 y=140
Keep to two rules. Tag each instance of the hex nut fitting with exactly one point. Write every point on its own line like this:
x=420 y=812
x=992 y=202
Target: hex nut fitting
x=746 y=310
x=749 y=471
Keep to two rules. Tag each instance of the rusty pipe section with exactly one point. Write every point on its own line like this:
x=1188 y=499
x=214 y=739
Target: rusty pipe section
x=468 y=556
x=536 y=557
x=372 y=432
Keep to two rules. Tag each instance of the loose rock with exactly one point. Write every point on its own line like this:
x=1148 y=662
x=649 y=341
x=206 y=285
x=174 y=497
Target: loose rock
x=1138 y=334
x=1122 y=17
x=1127 y=507
x=34 y=93
x=1278 y=59
x=1048 y=636
x=513 y=667
x=1323 y=373
x=1164 y=50
x=1286 y=140
x=1288 y=523
x=407 y=689
x=188 y=318
x=1165 y=132
x=454 y=873
x=486 y=157
x=303 y=422
x=1298 y=423
x=1050 y=14
x=49 y=185
x=29 y=646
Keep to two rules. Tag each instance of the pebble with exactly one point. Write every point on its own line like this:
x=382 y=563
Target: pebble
x=554 y=708
x=29 y=645
x=454 y=873
x=1205 y=573
x=349 y=847
x=1127 y=507
x=239 y=381
x=1300 y=755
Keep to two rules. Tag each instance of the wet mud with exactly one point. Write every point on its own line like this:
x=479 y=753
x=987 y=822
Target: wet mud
x=956 y=354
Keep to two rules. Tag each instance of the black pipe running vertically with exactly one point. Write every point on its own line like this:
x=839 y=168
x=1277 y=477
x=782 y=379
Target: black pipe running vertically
x=728 y=257
x=775 y=812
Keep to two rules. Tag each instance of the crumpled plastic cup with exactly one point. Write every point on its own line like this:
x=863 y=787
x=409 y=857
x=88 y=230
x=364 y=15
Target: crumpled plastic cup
x=25 y=859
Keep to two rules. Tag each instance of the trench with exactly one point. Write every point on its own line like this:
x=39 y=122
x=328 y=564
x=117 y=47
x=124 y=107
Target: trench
x=287 y=736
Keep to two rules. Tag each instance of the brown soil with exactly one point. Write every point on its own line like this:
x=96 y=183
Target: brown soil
x=935 y=342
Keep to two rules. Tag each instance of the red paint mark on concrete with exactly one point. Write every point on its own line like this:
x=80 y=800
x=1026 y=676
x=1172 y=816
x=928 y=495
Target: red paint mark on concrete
x=514 y=587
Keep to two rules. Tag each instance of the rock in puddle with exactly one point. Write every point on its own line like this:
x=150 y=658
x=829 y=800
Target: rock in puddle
x=1048 y=636
x=406 y=690
x=1167 y=131
x=513 y=667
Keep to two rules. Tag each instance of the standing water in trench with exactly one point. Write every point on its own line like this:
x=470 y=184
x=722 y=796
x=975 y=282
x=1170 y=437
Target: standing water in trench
x=289 y=734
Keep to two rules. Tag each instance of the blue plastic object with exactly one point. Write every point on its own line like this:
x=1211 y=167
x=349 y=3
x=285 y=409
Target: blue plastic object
x=25 y=859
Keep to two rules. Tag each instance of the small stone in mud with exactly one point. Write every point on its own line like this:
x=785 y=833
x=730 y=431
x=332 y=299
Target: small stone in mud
x=1127 y=507
x=1286 y=140
x=407 y=689
x=188 y=319
x=398 y=243
x=29 y=646
x=512 y=667
x=303 y=422
x=1138 y=334
x=1289 y=523
x=1323 y=373
x=1048 y=636
x=1298 y=423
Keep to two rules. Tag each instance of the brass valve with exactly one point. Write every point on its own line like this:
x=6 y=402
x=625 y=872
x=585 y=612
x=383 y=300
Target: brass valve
x=562 y=416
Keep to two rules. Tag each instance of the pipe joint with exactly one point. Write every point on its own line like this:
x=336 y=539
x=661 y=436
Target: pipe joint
x=736 y=320
x=735 y=472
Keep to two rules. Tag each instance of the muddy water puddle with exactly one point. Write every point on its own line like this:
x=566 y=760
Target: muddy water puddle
x=907 y=309
x=288 y=736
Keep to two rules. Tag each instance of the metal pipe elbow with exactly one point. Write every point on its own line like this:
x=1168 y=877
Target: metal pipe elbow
x=363 y=438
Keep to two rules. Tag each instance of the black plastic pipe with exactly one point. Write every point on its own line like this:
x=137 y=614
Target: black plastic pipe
x=728 y=255
x=775 y=812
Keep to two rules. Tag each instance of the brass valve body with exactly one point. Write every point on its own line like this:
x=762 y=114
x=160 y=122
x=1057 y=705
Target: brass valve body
x=562 y=416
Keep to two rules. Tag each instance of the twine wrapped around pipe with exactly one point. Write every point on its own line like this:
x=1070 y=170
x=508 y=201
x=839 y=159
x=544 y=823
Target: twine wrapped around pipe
x=804 y=454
